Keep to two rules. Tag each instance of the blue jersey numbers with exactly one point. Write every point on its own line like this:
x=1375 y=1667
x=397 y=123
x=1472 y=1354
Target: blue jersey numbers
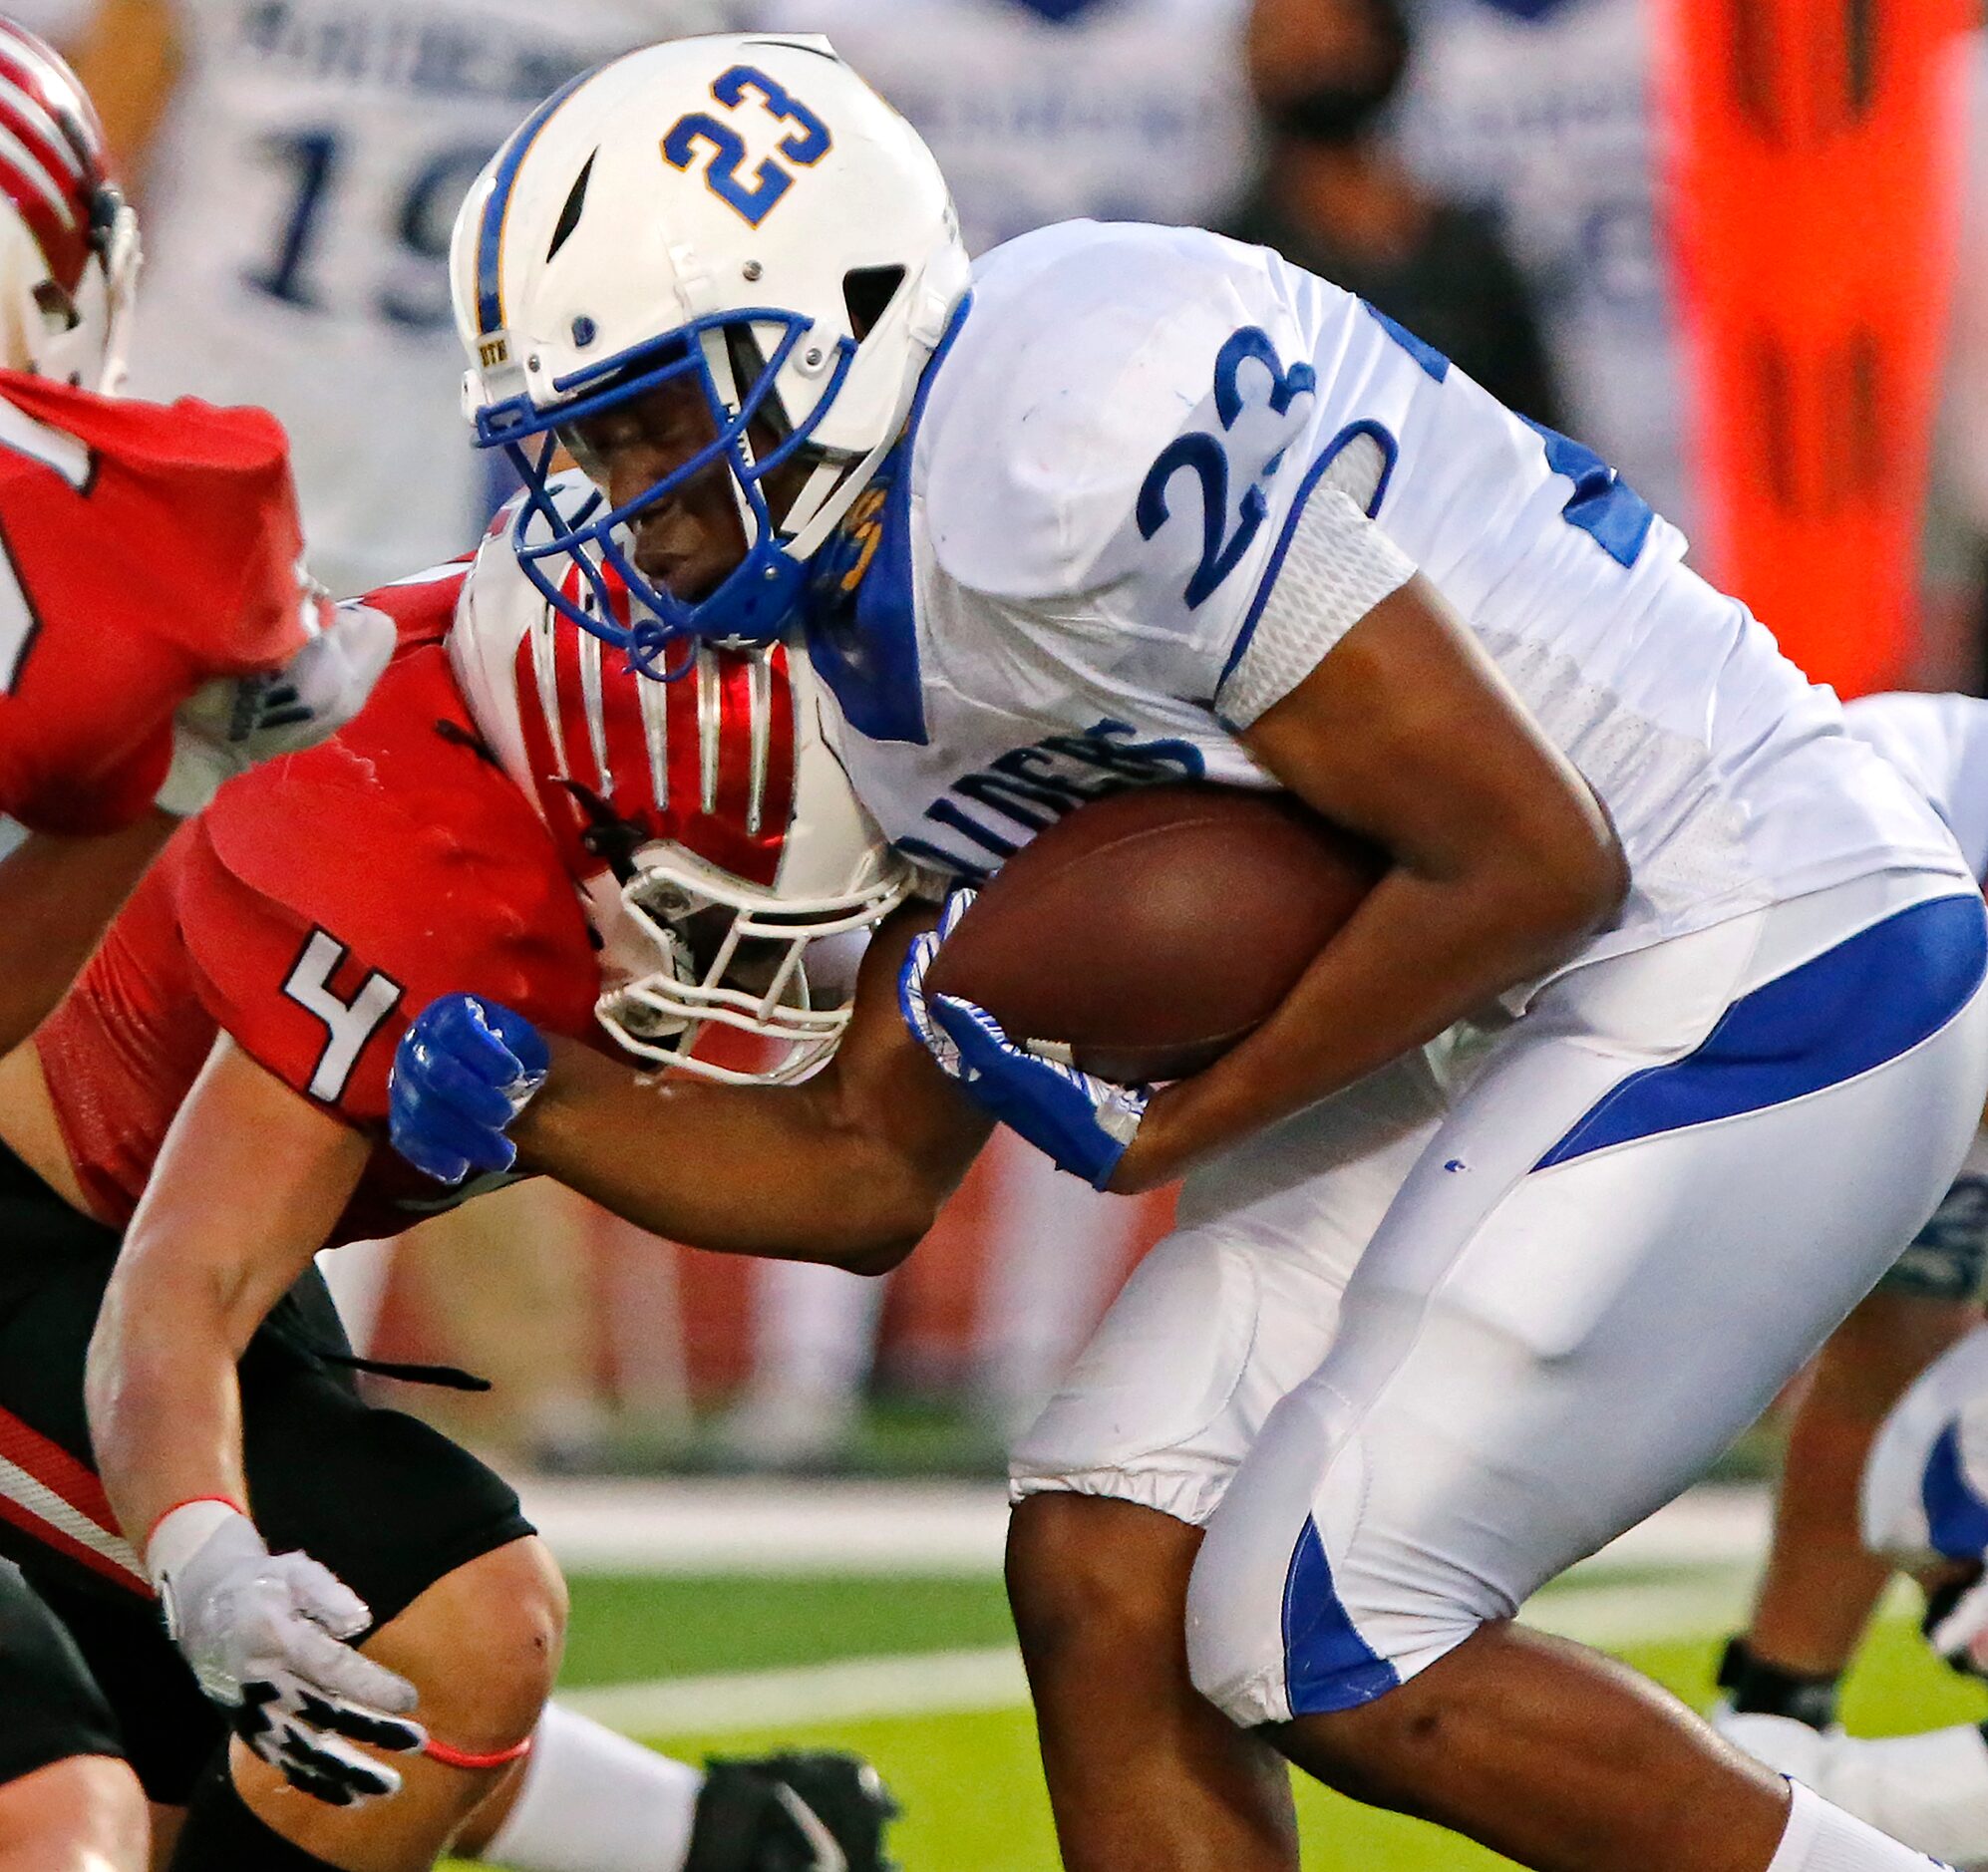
x=753 y=200
x=1244 y=399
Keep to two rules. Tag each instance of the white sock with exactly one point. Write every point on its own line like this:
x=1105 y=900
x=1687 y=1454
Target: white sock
x=593 y=1802
x=1822 y=1838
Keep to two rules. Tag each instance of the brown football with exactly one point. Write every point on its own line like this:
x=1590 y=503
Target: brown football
x=1153 y=930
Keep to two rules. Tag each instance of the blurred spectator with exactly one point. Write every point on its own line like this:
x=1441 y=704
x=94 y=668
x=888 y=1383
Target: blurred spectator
x=300 y=162
x=59 y=22
x=1336 y=198
x=1044 y=110
x=1541 y=112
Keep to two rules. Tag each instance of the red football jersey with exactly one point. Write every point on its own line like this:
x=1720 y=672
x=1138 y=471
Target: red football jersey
x=145 y=548
x=311 y=912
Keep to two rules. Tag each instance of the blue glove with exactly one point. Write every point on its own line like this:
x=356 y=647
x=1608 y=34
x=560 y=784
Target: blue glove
x=1080 y=1122
x=463 y=1069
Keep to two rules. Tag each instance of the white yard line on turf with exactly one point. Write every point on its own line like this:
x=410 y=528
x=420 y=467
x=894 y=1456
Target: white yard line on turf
x=947 y=1683
x=784 y=1527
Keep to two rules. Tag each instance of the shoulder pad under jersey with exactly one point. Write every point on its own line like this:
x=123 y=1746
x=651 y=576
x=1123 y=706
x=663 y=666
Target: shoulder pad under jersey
x=1088 y=349
x=422 y=605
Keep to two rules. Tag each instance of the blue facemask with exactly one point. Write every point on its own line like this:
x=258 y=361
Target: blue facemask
x=758 y=597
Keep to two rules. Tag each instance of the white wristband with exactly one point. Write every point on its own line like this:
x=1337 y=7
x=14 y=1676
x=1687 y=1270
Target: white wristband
x=181 y=1533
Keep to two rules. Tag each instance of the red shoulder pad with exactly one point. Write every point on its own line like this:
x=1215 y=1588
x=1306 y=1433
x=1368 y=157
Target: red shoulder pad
x=332 y=895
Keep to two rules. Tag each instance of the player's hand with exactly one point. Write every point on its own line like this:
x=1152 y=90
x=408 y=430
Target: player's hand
x=1957 y=1626
x=463 y=1071
x=1080 y=1122
x=911 y=982
x=232 y=723
x=262 y=1634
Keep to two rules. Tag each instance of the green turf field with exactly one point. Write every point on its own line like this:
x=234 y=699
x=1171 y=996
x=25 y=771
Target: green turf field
x=970 y=1783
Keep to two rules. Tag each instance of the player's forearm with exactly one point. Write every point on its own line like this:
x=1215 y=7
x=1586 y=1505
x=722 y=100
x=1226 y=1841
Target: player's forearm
x=56 y=897
x=164 y=1406
x=760 y=1170
x=245 y=1188
x=1419 y=956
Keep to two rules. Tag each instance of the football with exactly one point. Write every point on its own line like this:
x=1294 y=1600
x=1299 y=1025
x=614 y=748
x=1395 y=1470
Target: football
x=1152 y=930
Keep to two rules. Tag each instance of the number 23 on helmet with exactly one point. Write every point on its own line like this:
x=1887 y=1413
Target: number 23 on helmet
x=739 y=213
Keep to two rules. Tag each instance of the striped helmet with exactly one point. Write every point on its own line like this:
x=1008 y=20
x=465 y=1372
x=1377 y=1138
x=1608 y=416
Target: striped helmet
x=68 y=247
x=727 y=865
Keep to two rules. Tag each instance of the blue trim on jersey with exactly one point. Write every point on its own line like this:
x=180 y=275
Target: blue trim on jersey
x=1327 y=1664
x=1956 y=1517
x=1604 y=505
x=1870 y=999
x=1526 y=10
x=490 y=235
x=1059 y=12
x=1420 y=349
x=1390 y=452
x=864 y=643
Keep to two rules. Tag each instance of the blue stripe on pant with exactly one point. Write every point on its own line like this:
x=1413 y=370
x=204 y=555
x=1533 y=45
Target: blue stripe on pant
x=1865 y=1001
x=1847 y=1011
x=1327 y=1664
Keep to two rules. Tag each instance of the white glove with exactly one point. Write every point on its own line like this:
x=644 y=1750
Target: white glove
x=1960 y=1631
x=228 y=725
x=261 y=1632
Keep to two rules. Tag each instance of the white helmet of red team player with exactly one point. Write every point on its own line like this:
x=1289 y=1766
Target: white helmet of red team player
x=68 y=238
x=727 y=865
x=740 y=214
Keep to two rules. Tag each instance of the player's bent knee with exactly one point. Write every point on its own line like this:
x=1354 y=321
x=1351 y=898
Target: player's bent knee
x=483 y=1644
x=82 y=1814
x=1087 y=1571
x=1304 y=1600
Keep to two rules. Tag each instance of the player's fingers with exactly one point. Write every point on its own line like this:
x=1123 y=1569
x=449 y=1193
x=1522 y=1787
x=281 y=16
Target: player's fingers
x=480 y=1147
x=439 y=1142
x=334 y=1764
x=399 y=1735
x=911 y=977
x=523 y=1042
x=957 y=904
x=335 y=1670
x=320 y=1594
x=969 y=1024
x=463 y=1089
x=462 y=1026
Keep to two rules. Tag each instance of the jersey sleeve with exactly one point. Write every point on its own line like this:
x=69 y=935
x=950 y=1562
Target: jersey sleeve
x=1131 y=448
x=322 y=909
x=193 y=525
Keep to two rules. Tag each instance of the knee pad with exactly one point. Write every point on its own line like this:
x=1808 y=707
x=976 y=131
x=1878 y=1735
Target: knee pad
x=1304 y=1600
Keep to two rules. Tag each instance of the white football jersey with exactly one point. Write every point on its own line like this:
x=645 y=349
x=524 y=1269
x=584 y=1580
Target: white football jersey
x=1941 y=745
x=1155 y=473
x=297 y=213
x=1547 y=115
x=1121 y=110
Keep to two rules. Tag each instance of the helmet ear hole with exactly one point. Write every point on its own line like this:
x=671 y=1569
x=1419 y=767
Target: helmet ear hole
x=57 y=307
x=868 y=292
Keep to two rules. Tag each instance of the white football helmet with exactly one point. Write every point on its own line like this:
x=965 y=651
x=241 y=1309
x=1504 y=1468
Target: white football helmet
x=741 y=211
x=726 y=864
x=69 y=250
